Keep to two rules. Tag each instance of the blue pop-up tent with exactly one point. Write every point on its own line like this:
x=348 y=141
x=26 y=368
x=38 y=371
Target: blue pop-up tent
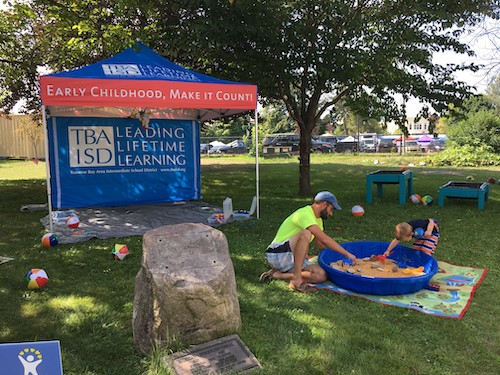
x=126 y=130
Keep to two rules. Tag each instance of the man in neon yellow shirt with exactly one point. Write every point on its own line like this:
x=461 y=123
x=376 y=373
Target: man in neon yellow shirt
x=287 y=253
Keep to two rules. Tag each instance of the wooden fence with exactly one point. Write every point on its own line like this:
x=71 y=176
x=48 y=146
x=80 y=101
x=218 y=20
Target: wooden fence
x=16 y=144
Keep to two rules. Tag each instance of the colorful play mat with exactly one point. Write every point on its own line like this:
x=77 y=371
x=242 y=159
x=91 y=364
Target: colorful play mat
x=457 y=286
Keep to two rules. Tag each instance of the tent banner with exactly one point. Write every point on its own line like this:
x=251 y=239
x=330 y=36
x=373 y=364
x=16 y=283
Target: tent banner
x=117 y=162
x=152 y=94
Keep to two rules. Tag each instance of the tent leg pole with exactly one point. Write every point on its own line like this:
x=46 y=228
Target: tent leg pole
x=47 y=167
x=257 y=181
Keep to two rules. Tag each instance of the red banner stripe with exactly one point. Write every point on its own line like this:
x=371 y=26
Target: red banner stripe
x=58 y=91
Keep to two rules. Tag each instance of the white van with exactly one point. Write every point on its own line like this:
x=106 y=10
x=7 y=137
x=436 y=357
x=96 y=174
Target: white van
x=367 y=145
x=368 y=142
x=365 y=136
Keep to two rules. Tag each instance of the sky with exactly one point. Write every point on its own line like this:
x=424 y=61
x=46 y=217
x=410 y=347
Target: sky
x=487 y=49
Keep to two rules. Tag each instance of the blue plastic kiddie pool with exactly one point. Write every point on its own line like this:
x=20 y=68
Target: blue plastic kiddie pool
x=379 y=285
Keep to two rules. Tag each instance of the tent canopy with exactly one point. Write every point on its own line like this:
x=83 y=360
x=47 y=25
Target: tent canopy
x=134 y=84
x=138 y=77
x=348 y=139
x=425 y=138
x=406 y=139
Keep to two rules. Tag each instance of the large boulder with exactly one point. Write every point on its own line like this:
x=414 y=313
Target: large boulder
x=185 y=290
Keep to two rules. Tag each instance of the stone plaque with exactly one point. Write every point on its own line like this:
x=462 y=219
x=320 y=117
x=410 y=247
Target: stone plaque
x=227 y=354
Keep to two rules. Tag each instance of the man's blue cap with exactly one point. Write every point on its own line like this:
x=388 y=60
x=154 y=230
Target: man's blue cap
x=328 y=197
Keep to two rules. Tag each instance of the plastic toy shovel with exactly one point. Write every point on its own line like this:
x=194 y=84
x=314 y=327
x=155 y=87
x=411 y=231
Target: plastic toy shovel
x=381 y=258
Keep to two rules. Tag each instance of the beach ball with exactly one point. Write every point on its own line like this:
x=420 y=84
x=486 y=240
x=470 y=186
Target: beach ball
x=427 y=200
x=415 y=199
x=36 y=278
x=418 y=233
x=120 y=251
x=72 y=222
x=49 y=240
x=357 y=210
x=491 y=180
x=469 y=178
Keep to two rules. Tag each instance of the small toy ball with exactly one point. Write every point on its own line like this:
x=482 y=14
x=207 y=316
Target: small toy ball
x=491 y=180
x=49 y=240
x=418 y=233
x=427 y=200
x=36 y=278
x=72 y=222
x=415 y=199
x=120 y=251
x=469 y=178
x=357 y=210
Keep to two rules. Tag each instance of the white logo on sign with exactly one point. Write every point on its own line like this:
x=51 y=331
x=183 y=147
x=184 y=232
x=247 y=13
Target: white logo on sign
x=30 y=359
x=121 y=70
x=149 y=71
x=92 y=146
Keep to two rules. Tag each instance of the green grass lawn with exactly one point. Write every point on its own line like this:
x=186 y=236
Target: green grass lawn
x=88 y=302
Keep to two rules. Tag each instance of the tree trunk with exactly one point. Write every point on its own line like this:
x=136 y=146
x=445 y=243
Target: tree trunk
x=305 y=163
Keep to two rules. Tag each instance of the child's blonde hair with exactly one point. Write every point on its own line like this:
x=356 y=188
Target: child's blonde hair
x=403 y=230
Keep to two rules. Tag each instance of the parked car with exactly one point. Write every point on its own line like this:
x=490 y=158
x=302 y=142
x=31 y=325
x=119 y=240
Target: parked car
x=333 y=139
x=347 y=144
x=367 y=145
x=234 y=147
x=281 y=139
x=281 y=143
x=412 y=146
x=321 y=146
x=204 y=147
x=291 y=141
x=386 y=145
x=436 y=145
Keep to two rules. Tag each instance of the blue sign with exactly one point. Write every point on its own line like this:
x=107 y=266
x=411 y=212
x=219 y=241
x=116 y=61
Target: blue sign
x=116 y=161
x=31 y=358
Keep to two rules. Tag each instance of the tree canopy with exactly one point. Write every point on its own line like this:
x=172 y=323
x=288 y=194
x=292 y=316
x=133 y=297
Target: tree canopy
x=478 y=122
x=308 y=55
x=311 y=54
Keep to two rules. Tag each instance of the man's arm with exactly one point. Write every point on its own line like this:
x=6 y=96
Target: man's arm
x=323 y=240
x=318 y=244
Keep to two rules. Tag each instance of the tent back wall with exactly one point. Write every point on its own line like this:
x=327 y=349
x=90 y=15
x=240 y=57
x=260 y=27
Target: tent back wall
x=116 y=161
